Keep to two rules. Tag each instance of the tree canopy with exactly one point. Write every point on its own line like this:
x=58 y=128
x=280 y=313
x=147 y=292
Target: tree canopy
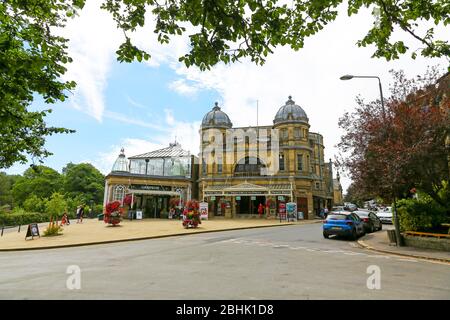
x=84 y=180
x=33 y=58
x=40 y=181
x=228 y=30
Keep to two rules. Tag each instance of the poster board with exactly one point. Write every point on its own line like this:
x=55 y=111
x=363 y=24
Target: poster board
x=32 y=231
x=139 y=215
x=203 y=208
x=291 y=208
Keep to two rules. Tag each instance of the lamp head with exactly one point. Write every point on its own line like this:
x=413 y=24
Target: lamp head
x=346 y=77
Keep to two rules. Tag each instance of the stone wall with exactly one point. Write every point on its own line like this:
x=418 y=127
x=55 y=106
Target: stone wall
x=441 y=244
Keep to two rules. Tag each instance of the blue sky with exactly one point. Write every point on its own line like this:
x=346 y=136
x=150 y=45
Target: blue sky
x=143 y=106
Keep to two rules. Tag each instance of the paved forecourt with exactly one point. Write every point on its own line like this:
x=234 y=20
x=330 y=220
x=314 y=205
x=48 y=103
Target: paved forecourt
x=96 y=232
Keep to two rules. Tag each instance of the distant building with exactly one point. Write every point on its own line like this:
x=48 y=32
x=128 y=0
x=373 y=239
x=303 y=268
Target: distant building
x=153 y=178
x=337 y=191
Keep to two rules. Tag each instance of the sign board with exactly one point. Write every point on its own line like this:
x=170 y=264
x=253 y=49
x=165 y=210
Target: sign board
x=203 y=208
x=213 y=198
x=33 y=231
x=253 y=198
x=238 y=198
x=282 y=211
x=150 y=187
x=281 y=198
x=139 y=215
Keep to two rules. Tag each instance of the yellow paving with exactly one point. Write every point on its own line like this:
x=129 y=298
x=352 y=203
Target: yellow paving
x=94 y=232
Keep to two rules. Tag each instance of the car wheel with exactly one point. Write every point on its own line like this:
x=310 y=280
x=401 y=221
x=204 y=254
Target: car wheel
x=354 y=234
x=326 y=235
x=372 y=228
x=381 y=227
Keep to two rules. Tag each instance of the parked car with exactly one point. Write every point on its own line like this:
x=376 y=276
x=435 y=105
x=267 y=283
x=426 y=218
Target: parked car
x=344 y=223
x=385 y=215
x=337 y=209
x=371 y=222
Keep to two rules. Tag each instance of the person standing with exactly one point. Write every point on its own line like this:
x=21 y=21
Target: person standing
x=260 y=210
x=80 y=214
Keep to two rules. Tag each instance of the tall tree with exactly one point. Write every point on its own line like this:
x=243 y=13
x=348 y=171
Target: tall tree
x=389 y=157
x=33 y=58
x=84 y=180
x=40 y=181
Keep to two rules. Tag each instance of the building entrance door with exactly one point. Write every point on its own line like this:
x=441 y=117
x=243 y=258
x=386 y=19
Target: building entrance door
x=254 y=204
x=302 y=206
x=151 y=205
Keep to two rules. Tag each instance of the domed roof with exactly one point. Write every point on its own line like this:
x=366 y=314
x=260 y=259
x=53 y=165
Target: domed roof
x=290 y=112
x=216 y=118
x=121 y=163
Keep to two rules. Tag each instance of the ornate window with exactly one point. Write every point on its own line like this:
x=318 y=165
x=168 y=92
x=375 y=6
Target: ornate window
x=249 y=166
x=118 y=193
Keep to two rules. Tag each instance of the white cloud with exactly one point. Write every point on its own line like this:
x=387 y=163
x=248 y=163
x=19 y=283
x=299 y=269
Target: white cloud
x=183 y=88
x=93 y=42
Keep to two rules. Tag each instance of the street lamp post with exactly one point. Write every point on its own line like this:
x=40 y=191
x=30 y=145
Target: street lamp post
x=396 y=222
x=349 y=77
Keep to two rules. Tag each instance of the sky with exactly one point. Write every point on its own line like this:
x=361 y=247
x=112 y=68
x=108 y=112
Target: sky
x=145 y=106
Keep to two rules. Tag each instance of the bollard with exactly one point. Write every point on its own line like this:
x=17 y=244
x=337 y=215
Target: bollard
x=3 y=227
x=19 y=229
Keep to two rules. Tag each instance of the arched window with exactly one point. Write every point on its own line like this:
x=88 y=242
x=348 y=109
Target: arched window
x=118 y=193
x=249 y=166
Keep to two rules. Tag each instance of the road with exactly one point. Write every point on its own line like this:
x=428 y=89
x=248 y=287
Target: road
x=291 y=262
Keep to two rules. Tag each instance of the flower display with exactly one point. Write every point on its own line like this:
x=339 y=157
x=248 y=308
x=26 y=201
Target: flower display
x=191 y=214
x=113 y=213
x=127 y=200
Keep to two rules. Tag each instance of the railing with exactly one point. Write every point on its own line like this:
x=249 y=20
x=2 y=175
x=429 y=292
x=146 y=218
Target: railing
x=9 y=227
x=427 y=234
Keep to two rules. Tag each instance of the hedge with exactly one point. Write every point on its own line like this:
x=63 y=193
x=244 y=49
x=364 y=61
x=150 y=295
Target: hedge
x=23 y=218
x=420 y=215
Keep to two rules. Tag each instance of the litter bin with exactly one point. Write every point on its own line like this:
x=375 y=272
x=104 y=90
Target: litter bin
x=100 y=217
x=392 y=237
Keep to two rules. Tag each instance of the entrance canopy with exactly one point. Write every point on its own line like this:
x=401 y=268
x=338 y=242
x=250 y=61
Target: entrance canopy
x=249 y=189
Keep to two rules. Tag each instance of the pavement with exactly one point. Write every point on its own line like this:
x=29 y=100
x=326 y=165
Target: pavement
x=379 y=242
x=290 y=262
x=93 y=231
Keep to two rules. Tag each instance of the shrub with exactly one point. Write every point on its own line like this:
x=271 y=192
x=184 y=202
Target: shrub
x=420 y=215
x=53 y=230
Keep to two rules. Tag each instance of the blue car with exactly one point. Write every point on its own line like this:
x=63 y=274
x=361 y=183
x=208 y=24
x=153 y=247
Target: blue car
x=343 y=223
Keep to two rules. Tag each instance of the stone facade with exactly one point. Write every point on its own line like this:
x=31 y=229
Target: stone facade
x=243 y=167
